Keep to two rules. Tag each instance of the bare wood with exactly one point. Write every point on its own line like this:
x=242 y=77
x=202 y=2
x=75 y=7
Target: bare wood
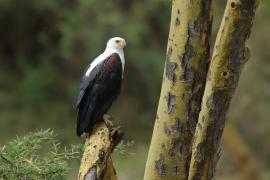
x=239 y=151
x=109 y=173
x=182 y=89
x=229 y=56
x=96 y=162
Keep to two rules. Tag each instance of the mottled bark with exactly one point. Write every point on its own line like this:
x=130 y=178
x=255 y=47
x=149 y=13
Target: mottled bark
x=239 y=151
x=229 y=56
x=182 y=88
x=96 y=162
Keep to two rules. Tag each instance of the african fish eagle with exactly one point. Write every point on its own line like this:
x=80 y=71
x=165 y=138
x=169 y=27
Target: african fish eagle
x=100 y=86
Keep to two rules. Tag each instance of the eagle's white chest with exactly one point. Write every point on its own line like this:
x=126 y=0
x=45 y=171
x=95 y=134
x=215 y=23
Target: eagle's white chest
x=103 y=57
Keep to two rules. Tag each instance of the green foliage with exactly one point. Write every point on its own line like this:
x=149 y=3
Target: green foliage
x=39 y=155
x=36 y=156
x=123 y=147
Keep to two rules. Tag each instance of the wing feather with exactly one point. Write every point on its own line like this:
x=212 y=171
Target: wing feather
x=87 y=79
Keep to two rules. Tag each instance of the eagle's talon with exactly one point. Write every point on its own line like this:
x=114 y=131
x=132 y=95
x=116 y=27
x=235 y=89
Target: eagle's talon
x=106 y=116
x=116 y=130
x=107 y=121
x=85 y=135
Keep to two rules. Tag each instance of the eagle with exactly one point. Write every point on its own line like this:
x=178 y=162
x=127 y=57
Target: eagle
x=100 y=86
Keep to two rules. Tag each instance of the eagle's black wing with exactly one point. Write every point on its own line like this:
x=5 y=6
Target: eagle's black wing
x=97 y=92
x=86 y=82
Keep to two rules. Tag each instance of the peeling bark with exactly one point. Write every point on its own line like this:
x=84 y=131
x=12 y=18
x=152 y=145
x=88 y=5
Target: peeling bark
x=229 y=57
x=185 y=70
x=96 y=162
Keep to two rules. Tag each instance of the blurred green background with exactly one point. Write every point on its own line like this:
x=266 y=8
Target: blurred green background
x=46 y=44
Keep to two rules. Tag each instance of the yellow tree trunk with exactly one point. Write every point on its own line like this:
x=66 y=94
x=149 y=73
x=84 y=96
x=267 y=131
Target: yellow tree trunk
x=96 y=162
x=185 y=70
x=229 y=56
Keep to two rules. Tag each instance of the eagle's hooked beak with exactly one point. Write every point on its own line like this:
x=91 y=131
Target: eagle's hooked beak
x=123 y=43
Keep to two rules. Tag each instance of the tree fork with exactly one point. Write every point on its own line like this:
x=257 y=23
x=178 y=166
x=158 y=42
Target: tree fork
x=183 y=84
x=96 y=162
x=229 y=56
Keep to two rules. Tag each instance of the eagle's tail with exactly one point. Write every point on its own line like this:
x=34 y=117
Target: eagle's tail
x=85 y=122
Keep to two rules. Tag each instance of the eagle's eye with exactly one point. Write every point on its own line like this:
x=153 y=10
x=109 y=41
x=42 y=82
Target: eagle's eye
x=117 y=41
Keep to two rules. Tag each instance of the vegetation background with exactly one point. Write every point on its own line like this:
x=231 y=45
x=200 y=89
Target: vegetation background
x=45 y=46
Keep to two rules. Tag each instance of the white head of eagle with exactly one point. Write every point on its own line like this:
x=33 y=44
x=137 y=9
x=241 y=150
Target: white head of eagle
x=100 y=85
x=116 y=43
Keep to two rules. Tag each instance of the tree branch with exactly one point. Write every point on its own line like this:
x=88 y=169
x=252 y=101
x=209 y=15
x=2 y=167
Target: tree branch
x=229 y=56
x=96 y=162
